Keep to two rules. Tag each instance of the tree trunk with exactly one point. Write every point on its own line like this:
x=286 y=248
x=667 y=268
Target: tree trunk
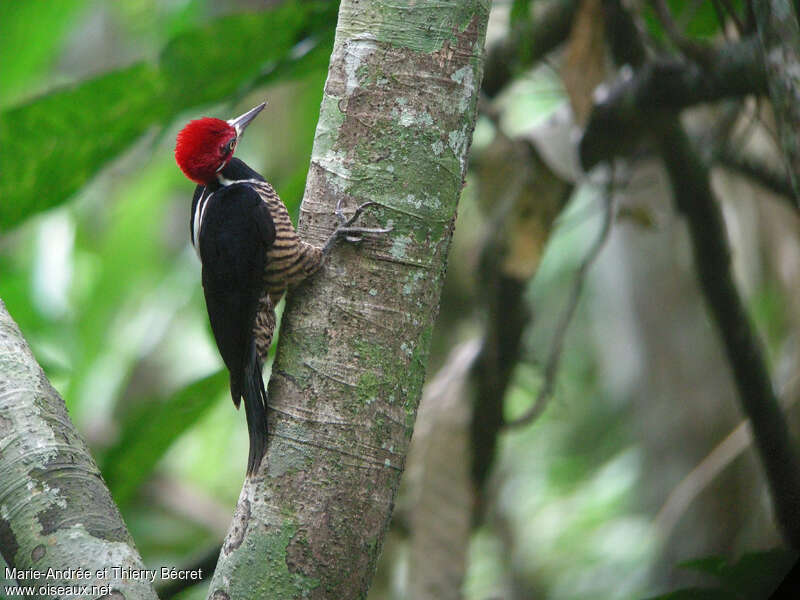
x=55 y=509
x=395 y=128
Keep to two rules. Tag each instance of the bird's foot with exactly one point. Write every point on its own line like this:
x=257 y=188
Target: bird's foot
x=346 y=229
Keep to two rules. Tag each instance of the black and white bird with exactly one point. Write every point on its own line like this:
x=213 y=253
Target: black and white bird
x=250 y=254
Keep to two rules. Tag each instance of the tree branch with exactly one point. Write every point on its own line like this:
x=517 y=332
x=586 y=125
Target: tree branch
x=395 y=128
x=693 y=197
x=442 y=494
x=705 y=472
x=518 y=225
x=55 y=510
x=565 y=318
x=662 y=86
x=527 y=42
x=779 y=32
x=758 y=171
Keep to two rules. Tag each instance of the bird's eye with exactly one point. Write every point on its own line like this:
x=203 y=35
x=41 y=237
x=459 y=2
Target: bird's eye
x=228 y=148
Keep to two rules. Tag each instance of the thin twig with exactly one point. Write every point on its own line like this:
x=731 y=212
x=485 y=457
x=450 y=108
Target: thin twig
x=725 y=149
x=706 y=471
x=557 y=345
x=526 y=43
x=758 y=171
x=732 y=14
x=691 y=48
x=692 y=195
x=720 y=12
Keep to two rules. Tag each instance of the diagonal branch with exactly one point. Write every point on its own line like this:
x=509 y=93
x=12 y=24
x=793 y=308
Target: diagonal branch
x=526 y=44
x=56 y=510
x=701 y=476
x=692 y=194
x=758 y=171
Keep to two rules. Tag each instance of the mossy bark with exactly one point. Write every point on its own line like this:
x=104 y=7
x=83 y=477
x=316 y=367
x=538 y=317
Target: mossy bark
x=395 y=128
x=55 y=510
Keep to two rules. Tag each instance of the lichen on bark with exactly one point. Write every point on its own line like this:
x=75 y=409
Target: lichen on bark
x=395 y=128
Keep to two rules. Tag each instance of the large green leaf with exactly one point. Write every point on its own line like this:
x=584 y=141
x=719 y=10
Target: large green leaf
x=53 y=145
x=212 y=62
x=151 y=429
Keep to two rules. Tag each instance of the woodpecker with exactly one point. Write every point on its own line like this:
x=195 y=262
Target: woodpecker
x=250 y=254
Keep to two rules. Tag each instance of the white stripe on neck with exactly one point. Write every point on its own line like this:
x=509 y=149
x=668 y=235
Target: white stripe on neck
x=202 y=203
x=199 y=211
x=225 y=182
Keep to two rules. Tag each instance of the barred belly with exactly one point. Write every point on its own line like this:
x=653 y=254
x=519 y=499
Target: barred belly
x=289 y=261
x=264 y=327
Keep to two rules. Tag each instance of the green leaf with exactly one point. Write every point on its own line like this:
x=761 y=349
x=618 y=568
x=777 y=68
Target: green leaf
x=53 y=145
x=38 y=26
x=697 y=20
x=710 y=565
x=211 y=62
x=520 y=11
x=754 y=575
x=152 y=429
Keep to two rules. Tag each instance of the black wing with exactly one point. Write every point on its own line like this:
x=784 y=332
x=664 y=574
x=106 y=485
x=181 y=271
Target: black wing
x=237 y=229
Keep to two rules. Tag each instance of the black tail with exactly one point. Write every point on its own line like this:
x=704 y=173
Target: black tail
x=255 y=407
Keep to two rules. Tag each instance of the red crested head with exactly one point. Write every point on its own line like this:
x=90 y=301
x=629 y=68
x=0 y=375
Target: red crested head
x=206 y=145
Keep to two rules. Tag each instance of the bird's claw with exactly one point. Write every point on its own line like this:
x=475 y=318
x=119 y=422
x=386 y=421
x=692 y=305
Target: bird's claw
x=344 y=221
x=352 y=234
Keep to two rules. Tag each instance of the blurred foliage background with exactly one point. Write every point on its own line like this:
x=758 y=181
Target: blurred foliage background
x=635 y=467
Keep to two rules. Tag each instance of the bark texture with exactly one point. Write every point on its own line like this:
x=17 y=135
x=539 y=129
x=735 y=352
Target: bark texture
x=779 y=31
x=395 y=128
x=55 y=509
